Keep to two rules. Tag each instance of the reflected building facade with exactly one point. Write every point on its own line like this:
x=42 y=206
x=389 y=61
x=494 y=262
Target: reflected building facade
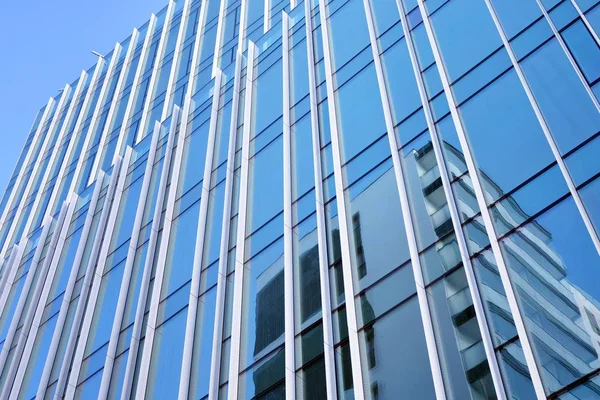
x=318 y=199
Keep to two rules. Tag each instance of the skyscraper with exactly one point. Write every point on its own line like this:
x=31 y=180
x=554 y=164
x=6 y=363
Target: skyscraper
x=354 y=199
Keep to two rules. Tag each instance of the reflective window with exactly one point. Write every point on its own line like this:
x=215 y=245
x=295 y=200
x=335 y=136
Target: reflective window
x=387 y=341
x=504 y=141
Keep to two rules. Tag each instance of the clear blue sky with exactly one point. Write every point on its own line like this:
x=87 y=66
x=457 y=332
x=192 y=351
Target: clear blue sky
x=46 y=44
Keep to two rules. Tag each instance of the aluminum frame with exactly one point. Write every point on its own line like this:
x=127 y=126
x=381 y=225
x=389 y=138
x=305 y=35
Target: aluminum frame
x=328 y=338
x=213 y=392
x=38 y=312
x=157 y=64
x=34 y=174
x=128 y=269
x=485 y=213
x=236 y=322
x=29 y=313
x=162 y=255
x=148 y=264
x=9 y=204
x=116 y=100
x=484 y=328
x=77 y=129
x=134 y=88
x=86 y=324
x=355 y=362
x=188 y=347
x=68 y=295
x=288 y=234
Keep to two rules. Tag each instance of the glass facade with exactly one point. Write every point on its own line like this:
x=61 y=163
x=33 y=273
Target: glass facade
x=318 y=199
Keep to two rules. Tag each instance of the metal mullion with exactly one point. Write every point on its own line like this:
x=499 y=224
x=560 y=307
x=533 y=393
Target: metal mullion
x=29 y=313
x=185 y=19
x=288 y=232
x=484 y=328
x=242 y=25
x=24 y=294
x=9 y=204
x=158 y=59
x=199 y=246
x=34 y=210
x=87 y=282
x=37 y=314
x=76 y=131
x=234 y=363
x=129 y=264
x=122 y=137
x=567 y=52
x=95 y=117
x=266 y=15
x=485 y=213
x=98 y=275
x=149 y=262
x=328 y=338
x=67 y=298
x=586 y=22
x=13 y=264
x=114 y=105
x=197 y=48
x=219 y=36
x=34 y=175
x=422 y=297
x=357 y=376
x=213 y=392
x=162 y=255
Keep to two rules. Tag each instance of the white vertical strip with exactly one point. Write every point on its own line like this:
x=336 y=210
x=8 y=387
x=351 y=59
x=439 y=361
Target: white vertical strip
x=162 y=258
x=567 y=52
x=76 y=132
x=149 y=261
x=38 y=312
x=34 y=144
x=215 y=364
x=540 y=116
x=87 y=282
x=356 y=365
x=197 y=49
x=134 y=88
x=176 y=57
x=131 y=254
x=64 y=308
x=114 y=105
x=219 y=38
x=586 y=22
x=242 y=26
x=484 y=328
x=35 y=294
x=24 y=294
x=95 y=117
x=293 y=4
x=97 y=280
x=158 y=60
x=34 y=174
x=423 y=298
x=53 y=159
x=485 y=213
x=236 y=324
x=188 y=349
x=267 y=16
x=288 y=233
x=13 y=264
x=328 y=339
